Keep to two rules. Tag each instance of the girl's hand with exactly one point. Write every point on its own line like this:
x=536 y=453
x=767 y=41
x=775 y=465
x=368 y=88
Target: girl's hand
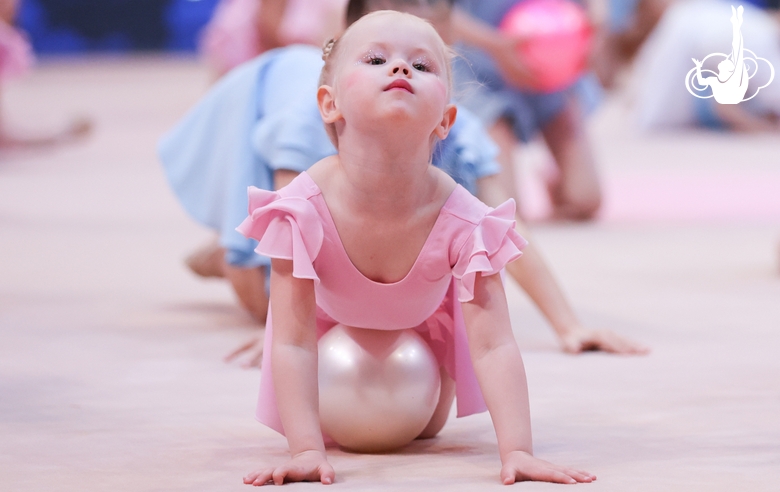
x=512 y=67
x=521 y=466
x=307 y=466
x=250 y=351
x=582 y=339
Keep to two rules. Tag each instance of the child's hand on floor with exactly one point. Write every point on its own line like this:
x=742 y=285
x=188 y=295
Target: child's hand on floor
x=580 y=339
x=307 y=466
x=250 y=351
x=520 y=466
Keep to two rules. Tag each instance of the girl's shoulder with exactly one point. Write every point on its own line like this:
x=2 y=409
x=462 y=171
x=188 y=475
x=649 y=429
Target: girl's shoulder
x=302 y=186
x=464 y=206
x=321 y=171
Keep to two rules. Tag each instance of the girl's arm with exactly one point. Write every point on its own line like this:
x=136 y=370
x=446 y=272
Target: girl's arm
x=501 y=376
x=249 y=286
x=294 y=356
x=536 y=279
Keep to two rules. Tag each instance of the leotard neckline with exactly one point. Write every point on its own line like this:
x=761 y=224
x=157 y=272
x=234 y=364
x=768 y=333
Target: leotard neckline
x=343 y=251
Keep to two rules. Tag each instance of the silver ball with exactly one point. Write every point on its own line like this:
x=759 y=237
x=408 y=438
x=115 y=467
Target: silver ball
x=378 y=389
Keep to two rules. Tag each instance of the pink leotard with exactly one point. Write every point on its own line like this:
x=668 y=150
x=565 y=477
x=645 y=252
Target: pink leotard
x=467 y=238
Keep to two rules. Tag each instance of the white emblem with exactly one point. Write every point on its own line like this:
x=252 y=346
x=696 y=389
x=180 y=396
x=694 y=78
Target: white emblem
x=735 y=70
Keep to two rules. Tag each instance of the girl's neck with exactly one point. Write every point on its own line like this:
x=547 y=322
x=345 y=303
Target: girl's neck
x=385 y=173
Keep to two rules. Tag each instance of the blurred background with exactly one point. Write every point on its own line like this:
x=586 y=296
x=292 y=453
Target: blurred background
x=111 y=370
x=82 y=26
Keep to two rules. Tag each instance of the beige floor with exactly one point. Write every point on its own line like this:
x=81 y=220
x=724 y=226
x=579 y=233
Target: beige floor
x=110 y=352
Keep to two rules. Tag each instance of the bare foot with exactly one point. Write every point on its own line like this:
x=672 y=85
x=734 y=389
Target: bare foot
x=207 y=261
x=566 y=209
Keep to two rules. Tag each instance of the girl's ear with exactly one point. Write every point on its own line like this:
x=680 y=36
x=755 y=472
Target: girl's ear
x=445 y=125
x=327 y=104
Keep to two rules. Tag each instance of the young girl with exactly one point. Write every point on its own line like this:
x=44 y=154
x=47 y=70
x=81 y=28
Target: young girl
x=260 y=126
x=375 y=237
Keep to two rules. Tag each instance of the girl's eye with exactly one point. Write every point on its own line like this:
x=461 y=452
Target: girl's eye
x=421 y=66
x=375 y=60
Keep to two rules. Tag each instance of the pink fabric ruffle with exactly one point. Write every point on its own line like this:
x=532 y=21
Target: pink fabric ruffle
x=445 y=333
x=276 y=223
x=16 y=54
x=492 y=244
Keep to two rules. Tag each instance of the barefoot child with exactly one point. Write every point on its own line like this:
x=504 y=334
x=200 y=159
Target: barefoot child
x=375 y=237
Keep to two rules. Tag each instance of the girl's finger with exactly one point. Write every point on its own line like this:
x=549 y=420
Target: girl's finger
x=327 y=474
x=240 y=350
x=260 y=478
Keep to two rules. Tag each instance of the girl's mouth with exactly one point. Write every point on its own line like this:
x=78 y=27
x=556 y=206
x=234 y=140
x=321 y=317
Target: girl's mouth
x=400 y=84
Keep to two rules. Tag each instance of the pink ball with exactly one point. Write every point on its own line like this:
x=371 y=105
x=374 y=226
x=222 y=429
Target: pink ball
x=555 y=40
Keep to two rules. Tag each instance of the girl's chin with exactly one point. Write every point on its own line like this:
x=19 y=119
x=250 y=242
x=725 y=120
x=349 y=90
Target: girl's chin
x=399 y=110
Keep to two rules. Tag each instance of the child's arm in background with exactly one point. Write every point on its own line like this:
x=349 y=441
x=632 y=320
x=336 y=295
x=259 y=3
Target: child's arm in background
x=501 y=376
x=502 y=48
x=536 y=279
x=294 y=353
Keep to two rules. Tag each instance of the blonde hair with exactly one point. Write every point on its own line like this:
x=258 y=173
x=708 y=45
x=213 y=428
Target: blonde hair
x=330 y=53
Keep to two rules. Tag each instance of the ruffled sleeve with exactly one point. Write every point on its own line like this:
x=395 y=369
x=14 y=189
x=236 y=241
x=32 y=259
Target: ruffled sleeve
x=286 y=227
x=492 y=244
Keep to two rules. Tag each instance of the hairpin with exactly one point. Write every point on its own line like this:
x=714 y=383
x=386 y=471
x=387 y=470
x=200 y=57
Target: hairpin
x=328 y=48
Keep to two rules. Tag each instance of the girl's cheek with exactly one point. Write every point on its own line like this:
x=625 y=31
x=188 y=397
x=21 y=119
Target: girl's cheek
x=441 y=90
x=354 y=79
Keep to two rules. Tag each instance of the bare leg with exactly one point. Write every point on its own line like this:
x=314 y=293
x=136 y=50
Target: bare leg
x=207 y=261
x=442 y=411
x=502 y=134
x=249 y=286
x=576 y=194
x=614 y=51
x=738 y=119
x=248 y=283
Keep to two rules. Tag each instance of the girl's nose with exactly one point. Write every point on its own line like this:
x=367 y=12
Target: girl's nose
x=400 y=67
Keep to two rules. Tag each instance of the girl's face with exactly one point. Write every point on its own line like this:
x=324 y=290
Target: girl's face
x=392 y=65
